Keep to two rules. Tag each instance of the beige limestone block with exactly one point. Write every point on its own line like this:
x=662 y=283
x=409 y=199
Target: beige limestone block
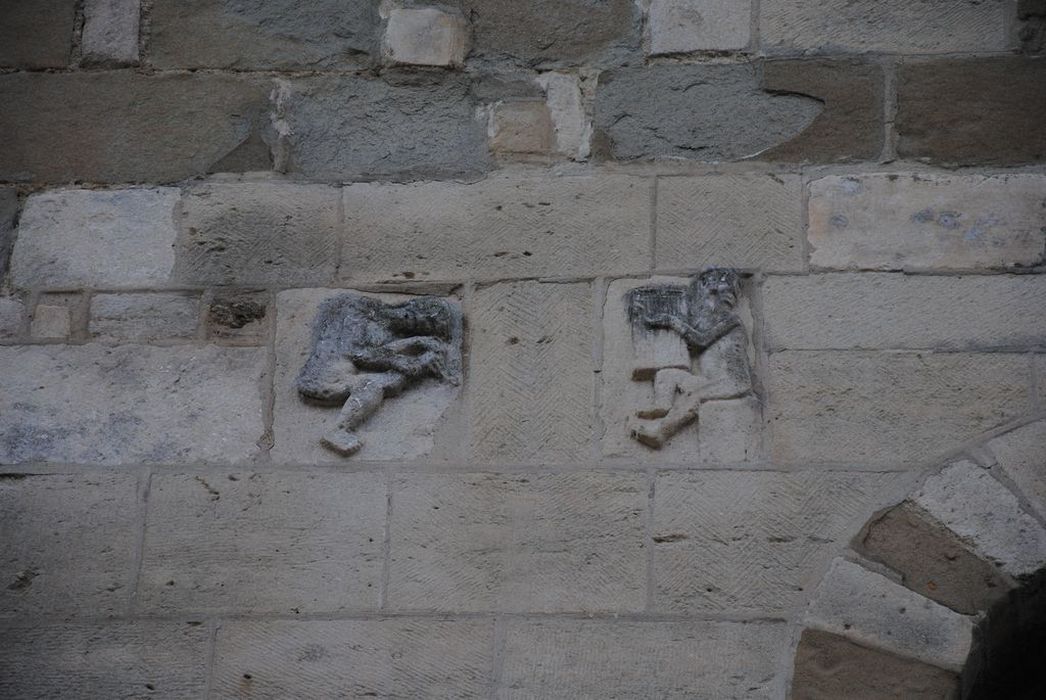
x=50 y=322
x=144 y=317
x=425 y=36
x=521 y=126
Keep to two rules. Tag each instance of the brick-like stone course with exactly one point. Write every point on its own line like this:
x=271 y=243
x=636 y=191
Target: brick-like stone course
x=144 y=317
x=37 y=34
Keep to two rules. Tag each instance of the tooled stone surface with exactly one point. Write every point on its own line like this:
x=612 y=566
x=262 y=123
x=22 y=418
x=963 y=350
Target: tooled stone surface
x=364 y=350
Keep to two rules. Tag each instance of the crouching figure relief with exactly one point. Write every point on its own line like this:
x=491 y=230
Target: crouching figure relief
x=691 y=343
x=364 y=351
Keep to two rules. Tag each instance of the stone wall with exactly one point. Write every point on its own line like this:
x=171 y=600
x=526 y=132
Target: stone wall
x=184 y=182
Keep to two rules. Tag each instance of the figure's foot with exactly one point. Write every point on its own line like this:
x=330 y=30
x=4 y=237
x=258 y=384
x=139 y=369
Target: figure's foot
x=652 y=412
x=649 y=435
x=342 y=442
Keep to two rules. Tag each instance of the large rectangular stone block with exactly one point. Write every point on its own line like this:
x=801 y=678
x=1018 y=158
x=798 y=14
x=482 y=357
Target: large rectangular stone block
x=1022 y=456
x=119 y=660
x=144 y=317
x=393 y=658
x=619 y=659
x=751 y=543
x=745 y=221
x=37 y=33
x=881 y=311
x=503 y=226
x=68 y=545
x=918 y=222
x=263 y=543
x=889 y=409
x=531 y=391
x=523 y=543
x=130 y=404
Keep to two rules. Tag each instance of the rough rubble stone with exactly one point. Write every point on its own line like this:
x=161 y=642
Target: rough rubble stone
x=521 y=126
x=914 y=222
x=240 y=317
x=682 y=26
x=140 y=318
x=285 y=543
x=37 y=33
x=12 y=313
x=1022 y=456
x=133 y=404
x=425 y=36
x=704 y=112
x=110 y=33
x=68 y=544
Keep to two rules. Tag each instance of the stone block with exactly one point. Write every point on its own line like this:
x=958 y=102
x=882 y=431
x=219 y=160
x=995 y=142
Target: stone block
x=407 y=126
x=570 y=122
x=979 y=509
x=283 y=543
x=12 y=313
x=887 y=311
x=504 y=226
x=391 y=658
x=829 y=666
x=918 y=222
x=752 y=543
x=239 y=317
x=521 y=543
x=888 y=409
x=731 y=431
x=747 y=221
x=8 y=212
x=873 y=611
x=37 y=33
x=50 y=322
x=931 y=560
x=140 y=318
x=625 y=659
x=120 y=126
x=271 y=234
x=133 y=404
x=422 y=421
x=521 y=126
x=850 y=127
x=1021 y=454
x=704 y=112
x=119 y=660
x=891 y=26
x=275 y=34
x=532 y=382
x=110 y=34
x=96 y=238
x=682 y=26
x=965 y=111
x=69 y=544
x=425 y=36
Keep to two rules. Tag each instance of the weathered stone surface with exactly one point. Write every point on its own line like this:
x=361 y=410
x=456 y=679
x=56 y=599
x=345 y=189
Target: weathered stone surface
x=965 y=111
x=979 y=509
x=504 y=226
x=521 y=543
x=533 y=381
x=68 y=544
x=893 y=26
x=393 y=658
x=37 y=33
x=707 y=112
x=601 y=659
x=425 y=36
x=96 y=238
x=888 y=409
x=730 y=431
x=549 y=32
x=50 y=322
x=118 y=660
x=120 y=126
x=681 y=26
x=931 y=560
x=423 y=421
x=927 y=222
x=828 y=667
x=12 y=313
x=758 y=554
x=274 y=234
x=1022 y=455
x=144 y=317
x=873 y=611
x=239 y=317
x=315 y=540
x=131 y=404
x=745 y=221
x=248 y=34
x=570 y=122
x=881 y=311
x=351 y=127
x=110 y=34
x=521 y=126
x=8 y=212
x=850 y=127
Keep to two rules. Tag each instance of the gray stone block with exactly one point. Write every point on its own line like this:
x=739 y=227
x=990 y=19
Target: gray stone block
x=282 y=543
x=522 y=543
x=888 y=409
x=1022 y=456
x=682 y=26
x=110 y=33
x=130 y=404
x=12 y=315
x=8 y=212
x=139 y=318
x=37 y=34
x=68 y=545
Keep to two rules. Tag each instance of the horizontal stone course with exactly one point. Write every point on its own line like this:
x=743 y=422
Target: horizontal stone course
x=144 y=317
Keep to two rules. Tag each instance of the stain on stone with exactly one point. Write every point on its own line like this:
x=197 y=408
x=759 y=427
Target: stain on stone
x=23 y=579
x=674 y=537
x=236 y=313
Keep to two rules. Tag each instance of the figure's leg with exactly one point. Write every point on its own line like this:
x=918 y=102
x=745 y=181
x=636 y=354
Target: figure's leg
x=364 y=400
x=656 y=432
x=666 y=383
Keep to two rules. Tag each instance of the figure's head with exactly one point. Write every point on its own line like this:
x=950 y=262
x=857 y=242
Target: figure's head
x=720 y=285
x=422 y=316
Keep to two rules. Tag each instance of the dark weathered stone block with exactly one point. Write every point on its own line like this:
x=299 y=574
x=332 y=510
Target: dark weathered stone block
x=36 y=33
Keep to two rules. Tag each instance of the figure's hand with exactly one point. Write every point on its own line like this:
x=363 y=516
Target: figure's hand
x=660 y=321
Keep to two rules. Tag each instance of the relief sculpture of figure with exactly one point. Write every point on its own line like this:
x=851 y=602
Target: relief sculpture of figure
x=703 y=318
x=364 y=350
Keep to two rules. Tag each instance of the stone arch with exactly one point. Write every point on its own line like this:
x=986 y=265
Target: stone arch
x=933 y=589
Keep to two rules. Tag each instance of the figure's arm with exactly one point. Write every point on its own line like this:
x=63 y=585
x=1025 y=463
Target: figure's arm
x=695 y=338
x=397 y=355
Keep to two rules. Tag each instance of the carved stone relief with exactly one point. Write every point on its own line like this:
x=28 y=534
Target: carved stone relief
x=364 y=351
